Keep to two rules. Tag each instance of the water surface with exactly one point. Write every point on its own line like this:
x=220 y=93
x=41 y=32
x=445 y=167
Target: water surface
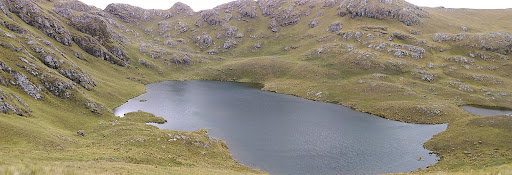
x=486 y=110
x=284 y=134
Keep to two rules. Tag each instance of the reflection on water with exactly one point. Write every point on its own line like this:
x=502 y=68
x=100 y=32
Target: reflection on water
x=283 y=134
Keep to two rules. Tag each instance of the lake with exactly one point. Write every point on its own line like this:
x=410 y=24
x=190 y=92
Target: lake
x=284 y=134
x=481 y=110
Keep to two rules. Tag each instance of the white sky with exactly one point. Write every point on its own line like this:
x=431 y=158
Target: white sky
x=198 y=5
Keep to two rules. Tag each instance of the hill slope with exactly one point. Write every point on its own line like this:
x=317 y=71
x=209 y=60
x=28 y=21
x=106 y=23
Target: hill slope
x=65 y=65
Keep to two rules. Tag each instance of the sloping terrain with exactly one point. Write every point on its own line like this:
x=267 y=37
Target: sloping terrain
x=65 y=65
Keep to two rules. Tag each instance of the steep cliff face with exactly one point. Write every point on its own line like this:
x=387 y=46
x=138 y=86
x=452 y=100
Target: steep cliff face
x=104 y=42
x=386 y=57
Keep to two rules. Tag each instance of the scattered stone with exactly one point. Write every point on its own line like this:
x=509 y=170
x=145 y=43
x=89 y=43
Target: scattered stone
x=431 y=65
x=313 y=23
x=80 y=133
x=406 y=13
x=464 y=28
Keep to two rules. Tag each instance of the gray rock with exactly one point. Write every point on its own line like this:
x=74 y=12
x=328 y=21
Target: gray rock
x=210 y=17
x=335 y=26
x=213 y=52
x=257 y=46
x=24 y=83
x=313 y=23
x=80 y=133
x=246 y=9
x=56 y=86
x=146 y=64
x=229 y=44
x=204 y=41
x=406 y=13
x=441 y=37
x=6 y=107
x=32 y=14
x=79 y=77
x=183 y=61
x=50 y=61
x=464 y=28
x=95 y=108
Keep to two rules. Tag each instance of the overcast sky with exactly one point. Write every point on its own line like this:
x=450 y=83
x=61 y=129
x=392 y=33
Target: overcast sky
x=198 y=5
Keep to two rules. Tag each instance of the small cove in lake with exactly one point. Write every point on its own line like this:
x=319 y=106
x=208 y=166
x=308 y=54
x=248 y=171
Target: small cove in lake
x=284 y=134
x=482 y=110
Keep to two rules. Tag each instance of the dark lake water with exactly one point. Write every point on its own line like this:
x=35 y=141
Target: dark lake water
x=486 y=111
x=284 y=134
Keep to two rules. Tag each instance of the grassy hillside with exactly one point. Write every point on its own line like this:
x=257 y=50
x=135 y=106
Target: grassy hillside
x=64 y=66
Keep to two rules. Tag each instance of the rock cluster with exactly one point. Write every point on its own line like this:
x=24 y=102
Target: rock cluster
x=460 y=60
x=203 y=42
x=24 y=83
x=56 y=86
x=12 y=103
x=335 y=26
x=211 y=17
x=132 y=14
x=499 y=42
x=95 y=108
x=405 y=12
x=424 y=75
x=21 y=81
x=93 y=47
x=247 y=9
x=33 y=15
x=79 y=77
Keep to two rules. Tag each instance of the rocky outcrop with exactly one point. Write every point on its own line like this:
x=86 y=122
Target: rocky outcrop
x=79 y=77
x=10 y=103
x=268 y=7
x=405 y=12
x=146 y=64
x=246 y=8
x=335 y=26
x=21 y=81
x=74 y=5
x=181 y=27
x=14 y=27
x=49 y=60
x=230 y=43
x=133 y=14
x=95 y=108
x=181 y=9
x=211 y=17
x=93 y=47
x=56 y=86
x=4 y=9
x=499 y=42
x=33 y=15
x=99 y=28
x=204 y=41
